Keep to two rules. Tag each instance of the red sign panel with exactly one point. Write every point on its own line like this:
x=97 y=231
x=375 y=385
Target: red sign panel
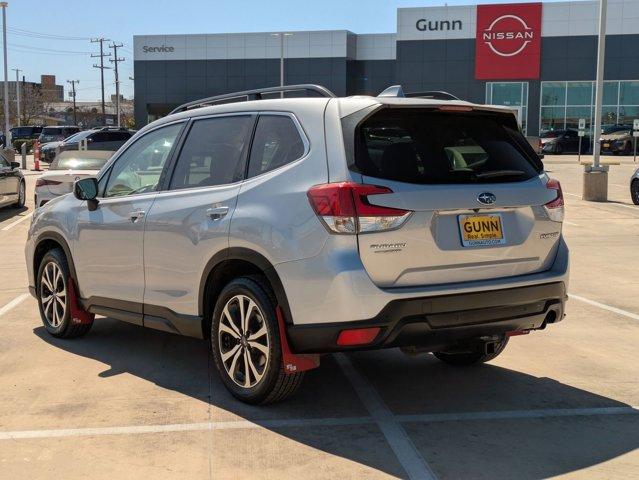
x=508 y=41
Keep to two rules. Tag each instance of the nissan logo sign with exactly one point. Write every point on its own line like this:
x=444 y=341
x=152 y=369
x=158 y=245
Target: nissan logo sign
x=508 y=35
x=486 y=198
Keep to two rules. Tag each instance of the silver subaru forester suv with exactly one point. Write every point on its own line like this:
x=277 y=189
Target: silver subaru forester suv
x=282 y=227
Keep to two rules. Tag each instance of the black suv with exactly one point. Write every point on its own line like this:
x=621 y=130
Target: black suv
x=105 y=138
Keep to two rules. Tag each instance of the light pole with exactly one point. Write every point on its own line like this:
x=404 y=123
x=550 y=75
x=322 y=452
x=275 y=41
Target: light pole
x=4 y=6
x=281 y=35
x=596 y=177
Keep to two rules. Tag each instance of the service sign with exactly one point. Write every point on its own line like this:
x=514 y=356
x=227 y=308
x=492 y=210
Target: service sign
x=635 y=124
x=508 y=41
x=582 y=124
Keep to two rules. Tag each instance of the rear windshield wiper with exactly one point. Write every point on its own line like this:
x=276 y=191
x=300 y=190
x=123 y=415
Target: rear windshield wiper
x=500 y=173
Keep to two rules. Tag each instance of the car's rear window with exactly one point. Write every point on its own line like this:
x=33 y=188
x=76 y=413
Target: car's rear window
x=435 y=147
x=78 y=162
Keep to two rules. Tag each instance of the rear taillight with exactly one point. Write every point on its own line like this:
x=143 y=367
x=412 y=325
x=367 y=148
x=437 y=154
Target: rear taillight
x=555 y=208
x=344 y=208
x=41 y=182
x=357 y=336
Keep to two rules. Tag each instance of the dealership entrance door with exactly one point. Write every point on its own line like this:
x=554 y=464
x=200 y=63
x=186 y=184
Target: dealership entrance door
x=510 y=94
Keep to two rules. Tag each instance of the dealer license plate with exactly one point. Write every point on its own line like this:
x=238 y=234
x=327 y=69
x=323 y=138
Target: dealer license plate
x=481 y=230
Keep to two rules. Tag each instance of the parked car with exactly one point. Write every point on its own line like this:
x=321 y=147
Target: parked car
x=634 y=187
x=104 y=138
x=563 y=141
x=48 y=150
x=28 y=132
x=65 y=170
x=286 y=228
x=12 y=185
x=619 y=142
x=58 y=133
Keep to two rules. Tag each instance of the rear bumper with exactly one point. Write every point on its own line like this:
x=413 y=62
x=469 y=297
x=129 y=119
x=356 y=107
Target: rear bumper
x=441 y=321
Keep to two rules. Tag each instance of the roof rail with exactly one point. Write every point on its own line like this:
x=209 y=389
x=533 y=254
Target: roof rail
x=255 y=94
x=398 y=92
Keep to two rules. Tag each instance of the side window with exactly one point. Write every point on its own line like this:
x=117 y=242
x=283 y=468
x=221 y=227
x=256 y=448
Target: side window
x=98 y=137
x=213 y=153
x=139 y=168
x=277 y=142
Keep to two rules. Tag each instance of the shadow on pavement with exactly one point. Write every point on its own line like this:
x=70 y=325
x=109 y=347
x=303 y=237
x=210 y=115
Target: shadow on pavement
x=534 y=448
x=9 y=212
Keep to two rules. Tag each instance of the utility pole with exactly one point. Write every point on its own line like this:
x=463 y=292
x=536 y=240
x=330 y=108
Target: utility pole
x=115 y=60
x=4 y=6
x=101 y=41
x=17 y=70
x=75 y=114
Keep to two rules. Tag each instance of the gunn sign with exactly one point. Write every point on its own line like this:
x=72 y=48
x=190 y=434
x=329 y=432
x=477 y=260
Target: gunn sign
x=508 y=41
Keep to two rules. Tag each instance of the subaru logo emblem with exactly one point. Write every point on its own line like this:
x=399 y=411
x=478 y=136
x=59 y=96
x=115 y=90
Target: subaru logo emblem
x=486 y=198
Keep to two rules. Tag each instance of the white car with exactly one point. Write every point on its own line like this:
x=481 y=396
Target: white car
x=65 y=170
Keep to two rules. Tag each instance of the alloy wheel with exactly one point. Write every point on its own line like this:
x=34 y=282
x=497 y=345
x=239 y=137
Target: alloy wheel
x=243 y=341
x=53 y=294
x=21 y=194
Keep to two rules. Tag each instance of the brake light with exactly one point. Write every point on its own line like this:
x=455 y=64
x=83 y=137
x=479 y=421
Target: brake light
x=344 y=208
x=555 y=208
x=455 y=108
x=41 y=182
x=357 y=336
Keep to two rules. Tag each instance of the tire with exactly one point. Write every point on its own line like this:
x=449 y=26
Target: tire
x=22 y=195
x=634 y=191
x=267 y=381
x=466 y=359
x=53 y=275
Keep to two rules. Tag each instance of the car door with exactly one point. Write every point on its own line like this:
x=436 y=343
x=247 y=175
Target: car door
x=189 y=221
x=108 y=244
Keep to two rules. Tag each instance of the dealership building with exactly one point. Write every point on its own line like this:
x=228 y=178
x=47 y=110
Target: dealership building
x=539 y=58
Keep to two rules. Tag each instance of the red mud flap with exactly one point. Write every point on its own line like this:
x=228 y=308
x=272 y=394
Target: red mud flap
x=78 y=315
x=293 y=363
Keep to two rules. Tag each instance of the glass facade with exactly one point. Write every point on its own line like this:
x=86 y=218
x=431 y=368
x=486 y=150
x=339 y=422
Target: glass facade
x=564 y=103
x=510 y=94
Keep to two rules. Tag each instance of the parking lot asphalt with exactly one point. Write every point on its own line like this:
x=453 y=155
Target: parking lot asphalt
x=125 y=402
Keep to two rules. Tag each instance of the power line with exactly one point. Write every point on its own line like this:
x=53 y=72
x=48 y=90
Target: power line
x=101 y=55
x=53 y=50
x=29 y=33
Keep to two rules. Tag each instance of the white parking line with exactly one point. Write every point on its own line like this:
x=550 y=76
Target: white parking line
x=19 y=220
x=571 y=223
x=317 y=422
x=13 y=303
x=409 y=457
x=515 y=414
x=603 y=306
x=183 y=427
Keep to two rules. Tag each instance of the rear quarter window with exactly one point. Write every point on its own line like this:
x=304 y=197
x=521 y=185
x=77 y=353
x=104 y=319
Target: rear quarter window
x=435 y=147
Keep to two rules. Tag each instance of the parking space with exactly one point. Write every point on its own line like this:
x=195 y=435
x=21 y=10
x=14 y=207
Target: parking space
x=125 y=402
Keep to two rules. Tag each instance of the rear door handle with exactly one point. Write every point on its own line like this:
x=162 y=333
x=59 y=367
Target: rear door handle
x=217 y=212
x=137 y=215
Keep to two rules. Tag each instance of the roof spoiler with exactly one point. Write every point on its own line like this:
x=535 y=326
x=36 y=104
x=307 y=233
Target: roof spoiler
x=255 y=94
x=398 y=92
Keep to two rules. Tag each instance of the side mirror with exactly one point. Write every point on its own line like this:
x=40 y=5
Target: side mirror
x=87 y=189
x=15 y=165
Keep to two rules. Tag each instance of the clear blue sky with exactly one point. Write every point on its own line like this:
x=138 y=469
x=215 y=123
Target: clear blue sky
x=119 y=20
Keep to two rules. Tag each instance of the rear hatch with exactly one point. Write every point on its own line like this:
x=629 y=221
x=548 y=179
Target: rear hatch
x=476 y=194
